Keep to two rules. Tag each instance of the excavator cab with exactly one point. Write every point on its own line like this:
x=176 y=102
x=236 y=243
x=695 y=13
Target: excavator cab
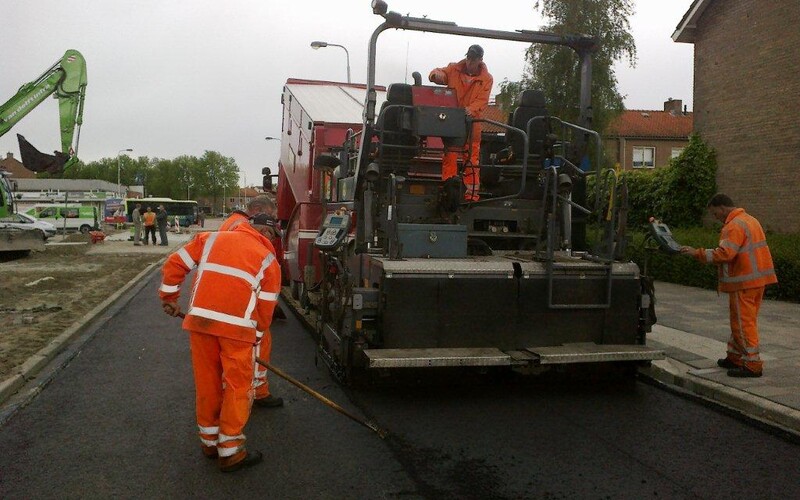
x=35 y=160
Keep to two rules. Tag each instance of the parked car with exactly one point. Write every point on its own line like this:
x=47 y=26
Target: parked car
x=26 y=221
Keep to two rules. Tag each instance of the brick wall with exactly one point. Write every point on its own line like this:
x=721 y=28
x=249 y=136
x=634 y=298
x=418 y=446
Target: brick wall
x=747 y=104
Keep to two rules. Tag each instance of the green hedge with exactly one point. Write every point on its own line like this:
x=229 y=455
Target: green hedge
x=785 y=249
x=676 y=193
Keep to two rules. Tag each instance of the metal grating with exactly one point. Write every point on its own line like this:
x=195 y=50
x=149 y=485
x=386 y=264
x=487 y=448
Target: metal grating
x=594 y=353
x=436 y=357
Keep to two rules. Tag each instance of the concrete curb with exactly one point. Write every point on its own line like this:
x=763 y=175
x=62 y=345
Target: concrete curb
x=28 y=371
x=676 y=374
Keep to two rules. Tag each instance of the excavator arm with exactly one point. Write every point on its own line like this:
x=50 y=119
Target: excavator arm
x=66 y=81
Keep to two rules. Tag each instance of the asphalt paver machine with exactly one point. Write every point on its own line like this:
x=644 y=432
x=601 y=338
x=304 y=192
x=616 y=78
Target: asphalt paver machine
x=404 y=274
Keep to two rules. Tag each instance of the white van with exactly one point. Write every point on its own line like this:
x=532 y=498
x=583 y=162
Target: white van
x=73 y=217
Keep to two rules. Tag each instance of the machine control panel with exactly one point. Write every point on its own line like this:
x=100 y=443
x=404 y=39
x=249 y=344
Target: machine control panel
x=333 y=231
x=663 y=237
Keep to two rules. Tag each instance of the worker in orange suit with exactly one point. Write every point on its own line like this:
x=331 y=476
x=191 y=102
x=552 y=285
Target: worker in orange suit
x=234 y=293
x=261 y=205
x=149 y=219
x=472 y=82
x=745 y=269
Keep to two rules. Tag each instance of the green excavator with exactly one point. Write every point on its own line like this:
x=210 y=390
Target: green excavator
x=66 y=81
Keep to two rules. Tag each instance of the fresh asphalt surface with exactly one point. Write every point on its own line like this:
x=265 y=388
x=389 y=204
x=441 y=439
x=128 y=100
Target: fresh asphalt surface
x=117 y=422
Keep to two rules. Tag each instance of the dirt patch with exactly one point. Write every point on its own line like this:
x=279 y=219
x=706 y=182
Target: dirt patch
x=44 y=293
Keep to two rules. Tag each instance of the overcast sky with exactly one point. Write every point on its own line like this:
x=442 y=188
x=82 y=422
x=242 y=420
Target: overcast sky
x=174 y=77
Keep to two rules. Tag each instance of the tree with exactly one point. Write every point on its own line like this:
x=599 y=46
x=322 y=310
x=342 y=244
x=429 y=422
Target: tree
x=217 y=175
x=556 y=70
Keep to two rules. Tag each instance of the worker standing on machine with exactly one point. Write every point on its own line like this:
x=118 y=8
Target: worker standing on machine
x=260 y=205
x=745 y=269
x=230 y=310
x=472 y=82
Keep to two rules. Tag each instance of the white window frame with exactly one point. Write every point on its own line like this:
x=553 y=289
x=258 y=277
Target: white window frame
x=643 y=163
x=676 y=152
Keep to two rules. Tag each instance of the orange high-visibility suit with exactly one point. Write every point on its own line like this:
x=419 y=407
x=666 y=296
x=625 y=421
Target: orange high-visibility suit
x=264 y=348
x=149 y=219
x=234 y=219
x=234 y=293
x=745 y=268
x=472 y=93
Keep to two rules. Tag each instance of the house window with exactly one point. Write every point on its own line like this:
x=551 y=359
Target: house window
x=676 y=152
x=644 y=157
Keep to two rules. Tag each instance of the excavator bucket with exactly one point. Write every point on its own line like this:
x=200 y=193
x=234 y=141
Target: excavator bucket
x=35 y=160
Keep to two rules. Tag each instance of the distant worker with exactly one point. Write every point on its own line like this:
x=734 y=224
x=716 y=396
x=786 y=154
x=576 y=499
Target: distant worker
x=228 y=318
x=162 y=219
x=265 y=206
x=136 y=218
x=149 y=225
x=745 y=269
x=472 y=82
x=119 y=218
x=201 y=218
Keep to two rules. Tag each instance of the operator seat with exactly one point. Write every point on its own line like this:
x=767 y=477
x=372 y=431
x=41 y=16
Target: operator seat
x=530 y=103
x=398 y=143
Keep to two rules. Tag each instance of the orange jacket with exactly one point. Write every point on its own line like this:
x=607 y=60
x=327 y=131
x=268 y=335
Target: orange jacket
x=742 y=255
x=236 y=285
x=472 y=92
x=236 y=218
x=149 y=218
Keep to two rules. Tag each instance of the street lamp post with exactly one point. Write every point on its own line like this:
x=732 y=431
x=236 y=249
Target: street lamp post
x=319 y=45
x=119 y=184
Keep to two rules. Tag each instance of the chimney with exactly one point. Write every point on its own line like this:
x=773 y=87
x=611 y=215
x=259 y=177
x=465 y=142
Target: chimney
x=9 y=156
x=674 y=106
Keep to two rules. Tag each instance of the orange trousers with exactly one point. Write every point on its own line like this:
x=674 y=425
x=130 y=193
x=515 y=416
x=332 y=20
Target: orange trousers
x=223 y=379
x=263 y=350
x=472 y=179
x=743 y=344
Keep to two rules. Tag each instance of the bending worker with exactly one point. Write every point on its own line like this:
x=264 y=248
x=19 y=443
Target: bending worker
x=261 y=205
x=230 y=310
x=472 y=82
x=745 y=268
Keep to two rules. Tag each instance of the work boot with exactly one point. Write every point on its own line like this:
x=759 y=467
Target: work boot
x=727 y=363
x=268 y=402
x=209 y=451
x=240 y=460
x=742 y=372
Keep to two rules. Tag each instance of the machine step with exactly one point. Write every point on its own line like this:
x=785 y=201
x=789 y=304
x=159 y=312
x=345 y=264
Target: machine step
x=589 y=352
x=435 y=357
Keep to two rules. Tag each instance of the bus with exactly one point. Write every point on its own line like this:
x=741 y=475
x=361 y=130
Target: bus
x=185 y=210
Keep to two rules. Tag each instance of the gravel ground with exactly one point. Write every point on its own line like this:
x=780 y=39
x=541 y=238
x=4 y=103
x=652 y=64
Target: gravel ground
x=42 y=294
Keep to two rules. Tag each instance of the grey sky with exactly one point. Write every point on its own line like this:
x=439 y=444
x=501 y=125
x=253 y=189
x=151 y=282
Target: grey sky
x=173 y=77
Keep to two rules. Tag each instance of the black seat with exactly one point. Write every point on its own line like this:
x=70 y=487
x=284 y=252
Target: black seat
x=530 y=103
x=398 y=143
x=396 y=119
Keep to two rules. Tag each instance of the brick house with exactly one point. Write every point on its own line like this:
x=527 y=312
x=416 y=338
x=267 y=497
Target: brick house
x=648 y=138
x=747 y=101
x=17 y=169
